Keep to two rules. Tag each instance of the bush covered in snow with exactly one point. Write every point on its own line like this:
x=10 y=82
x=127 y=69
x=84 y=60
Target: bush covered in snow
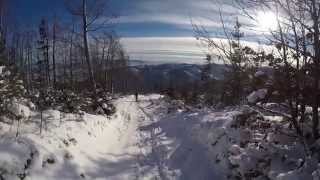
x=74 y=102
x=258 y=95
x=19 y=110
x=11 y=87
x=245 y=144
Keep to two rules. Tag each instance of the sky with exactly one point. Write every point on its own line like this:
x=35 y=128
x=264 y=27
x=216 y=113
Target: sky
x=152 y=30
x=137 y=18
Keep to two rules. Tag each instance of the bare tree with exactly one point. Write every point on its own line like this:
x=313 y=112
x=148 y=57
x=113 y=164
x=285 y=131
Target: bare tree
x=54 y=40
x=44 y=48
x=2 y=15
x=92 y=16
x=71 y=54
x=2 y=26
x=237 y=57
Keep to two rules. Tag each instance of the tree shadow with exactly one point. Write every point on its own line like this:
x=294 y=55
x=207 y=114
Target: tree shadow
x=113 y=166
x=190 y=157
x=68 y=170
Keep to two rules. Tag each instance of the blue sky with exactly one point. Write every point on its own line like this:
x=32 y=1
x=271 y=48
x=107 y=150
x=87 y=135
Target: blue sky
x=144 y=22
x=136 y=18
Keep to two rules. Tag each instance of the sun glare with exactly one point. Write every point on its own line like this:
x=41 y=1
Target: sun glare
x=267 y=21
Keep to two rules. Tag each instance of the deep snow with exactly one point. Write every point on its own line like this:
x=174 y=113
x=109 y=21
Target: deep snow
x=154 y=139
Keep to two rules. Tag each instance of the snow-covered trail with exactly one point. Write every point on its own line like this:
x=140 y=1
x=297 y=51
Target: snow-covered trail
x=206 y=144
x=164 y=146
x=150 y=158
x=179 y=141
x=150 y=139
x=109 y=150
x=89 y=147
x=124 y=151
x=141 y=141
x=119 y=148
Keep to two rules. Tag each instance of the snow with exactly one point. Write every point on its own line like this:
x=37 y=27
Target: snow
x=12 y=153
x=18 y=109
x=274 y=118
x=31 y=105
x=1 y=69
x=259 y=74
x=154 y=138
x=71 y=147
x=255 y=96
x=235 y=149
x=316 y=173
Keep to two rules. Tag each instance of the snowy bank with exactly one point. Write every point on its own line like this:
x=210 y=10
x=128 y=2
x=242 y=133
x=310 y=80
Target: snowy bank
x=256 y=96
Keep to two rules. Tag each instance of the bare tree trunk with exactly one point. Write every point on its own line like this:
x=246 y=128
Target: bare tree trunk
x=104 y=66
x=54 y=54
x=2 y=28
x=107 y=68
x=315 y=106
x=41 y=121
x=47 y=62
x=71 y=57
x=86 y=46
x=64 y=69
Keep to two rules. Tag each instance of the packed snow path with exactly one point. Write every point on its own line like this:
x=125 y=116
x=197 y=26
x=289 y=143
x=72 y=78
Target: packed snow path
x=140 y=143
x=150 y=149
x=169 y=147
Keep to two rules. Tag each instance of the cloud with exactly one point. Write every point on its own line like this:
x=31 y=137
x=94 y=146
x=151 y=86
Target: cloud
x=159 y=50
x=172 y=19
x=177 y=16
x=179 y=12
x=155 y=50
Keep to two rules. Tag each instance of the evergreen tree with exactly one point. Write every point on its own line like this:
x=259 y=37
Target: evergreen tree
x=236 y=74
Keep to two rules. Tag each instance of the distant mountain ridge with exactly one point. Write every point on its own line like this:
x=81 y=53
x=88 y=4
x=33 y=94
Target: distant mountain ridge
x=162 y=76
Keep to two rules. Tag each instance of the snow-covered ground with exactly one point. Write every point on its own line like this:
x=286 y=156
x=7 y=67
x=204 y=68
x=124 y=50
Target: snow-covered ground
x=153 y=139
x=74 y=147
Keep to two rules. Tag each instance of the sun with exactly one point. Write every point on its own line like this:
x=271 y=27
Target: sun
x=267 y=21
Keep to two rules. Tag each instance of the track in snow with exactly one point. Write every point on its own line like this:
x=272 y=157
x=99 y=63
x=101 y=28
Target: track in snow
x=156 y=152
x=152 y=153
